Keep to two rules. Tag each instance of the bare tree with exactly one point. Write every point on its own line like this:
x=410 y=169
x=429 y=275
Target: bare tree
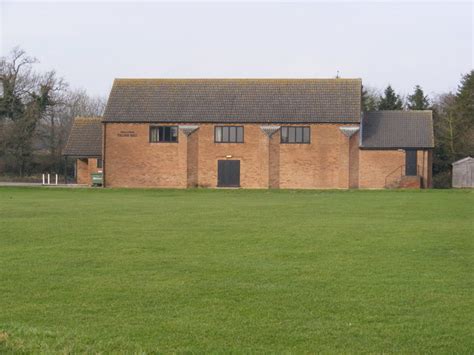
x=36 y=113
x=370 y=99
x=54 y=128
x=26 y=99
x=15 y=80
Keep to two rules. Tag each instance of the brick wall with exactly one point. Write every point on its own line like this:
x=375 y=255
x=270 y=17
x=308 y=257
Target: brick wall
x=82 y=172
x=376 y=165
x=131 y=161
x=84 y=168
x=380 y=167
x=354 y=161
x=322 y=164
x=331 y=160
x=253 y=156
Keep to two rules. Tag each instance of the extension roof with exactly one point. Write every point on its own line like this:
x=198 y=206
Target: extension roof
x=397 y=129
x=235 y=100
x=85 y=138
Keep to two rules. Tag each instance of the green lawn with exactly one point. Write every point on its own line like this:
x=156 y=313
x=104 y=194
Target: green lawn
x=234 y=270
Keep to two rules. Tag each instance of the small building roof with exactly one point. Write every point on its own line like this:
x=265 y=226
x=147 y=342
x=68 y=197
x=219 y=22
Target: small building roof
x=463 y=160
x=397 y=129
x=235 y=100
x=85 y=138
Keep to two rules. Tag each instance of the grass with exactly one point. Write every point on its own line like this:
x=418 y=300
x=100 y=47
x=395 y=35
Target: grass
x=90 y=270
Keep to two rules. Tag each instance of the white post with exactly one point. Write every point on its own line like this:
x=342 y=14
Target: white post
x=56 y=179
x=43 y=179
x=48 y=180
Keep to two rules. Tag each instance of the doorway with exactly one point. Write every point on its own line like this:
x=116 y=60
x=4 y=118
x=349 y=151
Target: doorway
x=228 y=173
x=411 y=163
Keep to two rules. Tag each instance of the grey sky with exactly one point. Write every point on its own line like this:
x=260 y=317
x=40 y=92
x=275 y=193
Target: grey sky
x=91 y=43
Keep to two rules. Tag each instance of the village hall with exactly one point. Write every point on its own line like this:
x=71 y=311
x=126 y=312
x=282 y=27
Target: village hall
x=250 y=133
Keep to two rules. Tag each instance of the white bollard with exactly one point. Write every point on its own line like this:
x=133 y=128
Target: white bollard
x=56 y=179
x=43 y=179
x=49 y=180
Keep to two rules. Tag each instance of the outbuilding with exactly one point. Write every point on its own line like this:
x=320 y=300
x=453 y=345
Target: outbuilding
x=85 y=147
x=463 y=172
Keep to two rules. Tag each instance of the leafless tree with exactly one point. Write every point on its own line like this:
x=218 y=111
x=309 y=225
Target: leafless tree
x=36 y=112
x=54 y=128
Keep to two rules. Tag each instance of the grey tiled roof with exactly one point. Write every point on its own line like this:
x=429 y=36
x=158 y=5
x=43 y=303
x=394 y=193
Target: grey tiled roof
x=234 y=100
x=85 y=138
x=397 y=129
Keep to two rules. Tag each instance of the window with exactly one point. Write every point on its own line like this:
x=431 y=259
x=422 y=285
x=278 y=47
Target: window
x=99 y=163
x=295 y=135
x=229 y=134
x=164 y=134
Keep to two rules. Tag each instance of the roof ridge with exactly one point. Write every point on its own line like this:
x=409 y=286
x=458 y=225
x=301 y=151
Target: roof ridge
x=88 y=118
x=238 y=79
x=402 y=111
x=416 y=114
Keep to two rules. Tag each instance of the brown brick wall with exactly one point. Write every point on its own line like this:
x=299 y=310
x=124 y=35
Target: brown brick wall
x=253 y=156
x=192 y=157
x=354 y=161
x=84 y=168
x=274 y=159
x=410 y=182
x=322 y=164
x=331 y=160
x=132 y=161
x=380 y=167
x=82 y=172
x=377 y=165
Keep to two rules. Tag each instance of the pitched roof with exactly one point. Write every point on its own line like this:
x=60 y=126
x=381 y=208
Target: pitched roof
x=85 y=138
x=397 y=129
x=234 y=100
x=463 y=160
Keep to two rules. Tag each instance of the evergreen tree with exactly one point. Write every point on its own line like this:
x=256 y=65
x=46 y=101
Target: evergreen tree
x=453 y=116
x=390 y=100
x=465 y=113
x=465 y=99
x=418 y=100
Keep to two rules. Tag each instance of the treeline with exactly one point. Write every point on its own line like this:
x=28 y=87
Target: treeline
x=37 y=109
x=372 y=100
x=453 y=119
x=36 y=113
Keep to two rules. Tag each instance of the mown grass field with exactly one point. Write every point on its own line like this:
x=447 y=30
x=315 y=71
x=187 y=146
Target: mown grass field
x=232 y=270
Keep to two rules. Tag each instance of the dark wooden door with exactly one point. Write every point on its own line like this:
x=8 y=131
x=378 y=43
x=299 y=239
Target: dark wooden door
x=228 y=173
x=410 y=163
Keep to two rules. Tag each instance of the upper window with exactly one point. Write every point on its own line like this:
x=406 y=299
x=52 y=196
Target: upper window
x=229 y=134
x=164 y=134
x=292 y=134
x=99 y=163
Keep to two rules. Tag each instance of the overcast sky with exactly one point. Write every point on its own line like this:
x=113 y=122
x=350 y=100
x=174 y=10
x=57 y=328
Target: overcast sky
x=91 y=43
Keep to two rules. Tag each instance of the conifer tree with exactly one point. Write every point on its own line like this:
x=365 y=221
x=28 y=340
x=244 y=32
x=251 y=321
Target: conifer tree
x=390 y=100
x=418 y=100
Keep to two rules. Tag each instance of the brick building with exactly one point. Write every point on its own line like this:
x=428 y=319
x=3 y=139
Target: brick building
x=255 y=133
x=84 y=145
